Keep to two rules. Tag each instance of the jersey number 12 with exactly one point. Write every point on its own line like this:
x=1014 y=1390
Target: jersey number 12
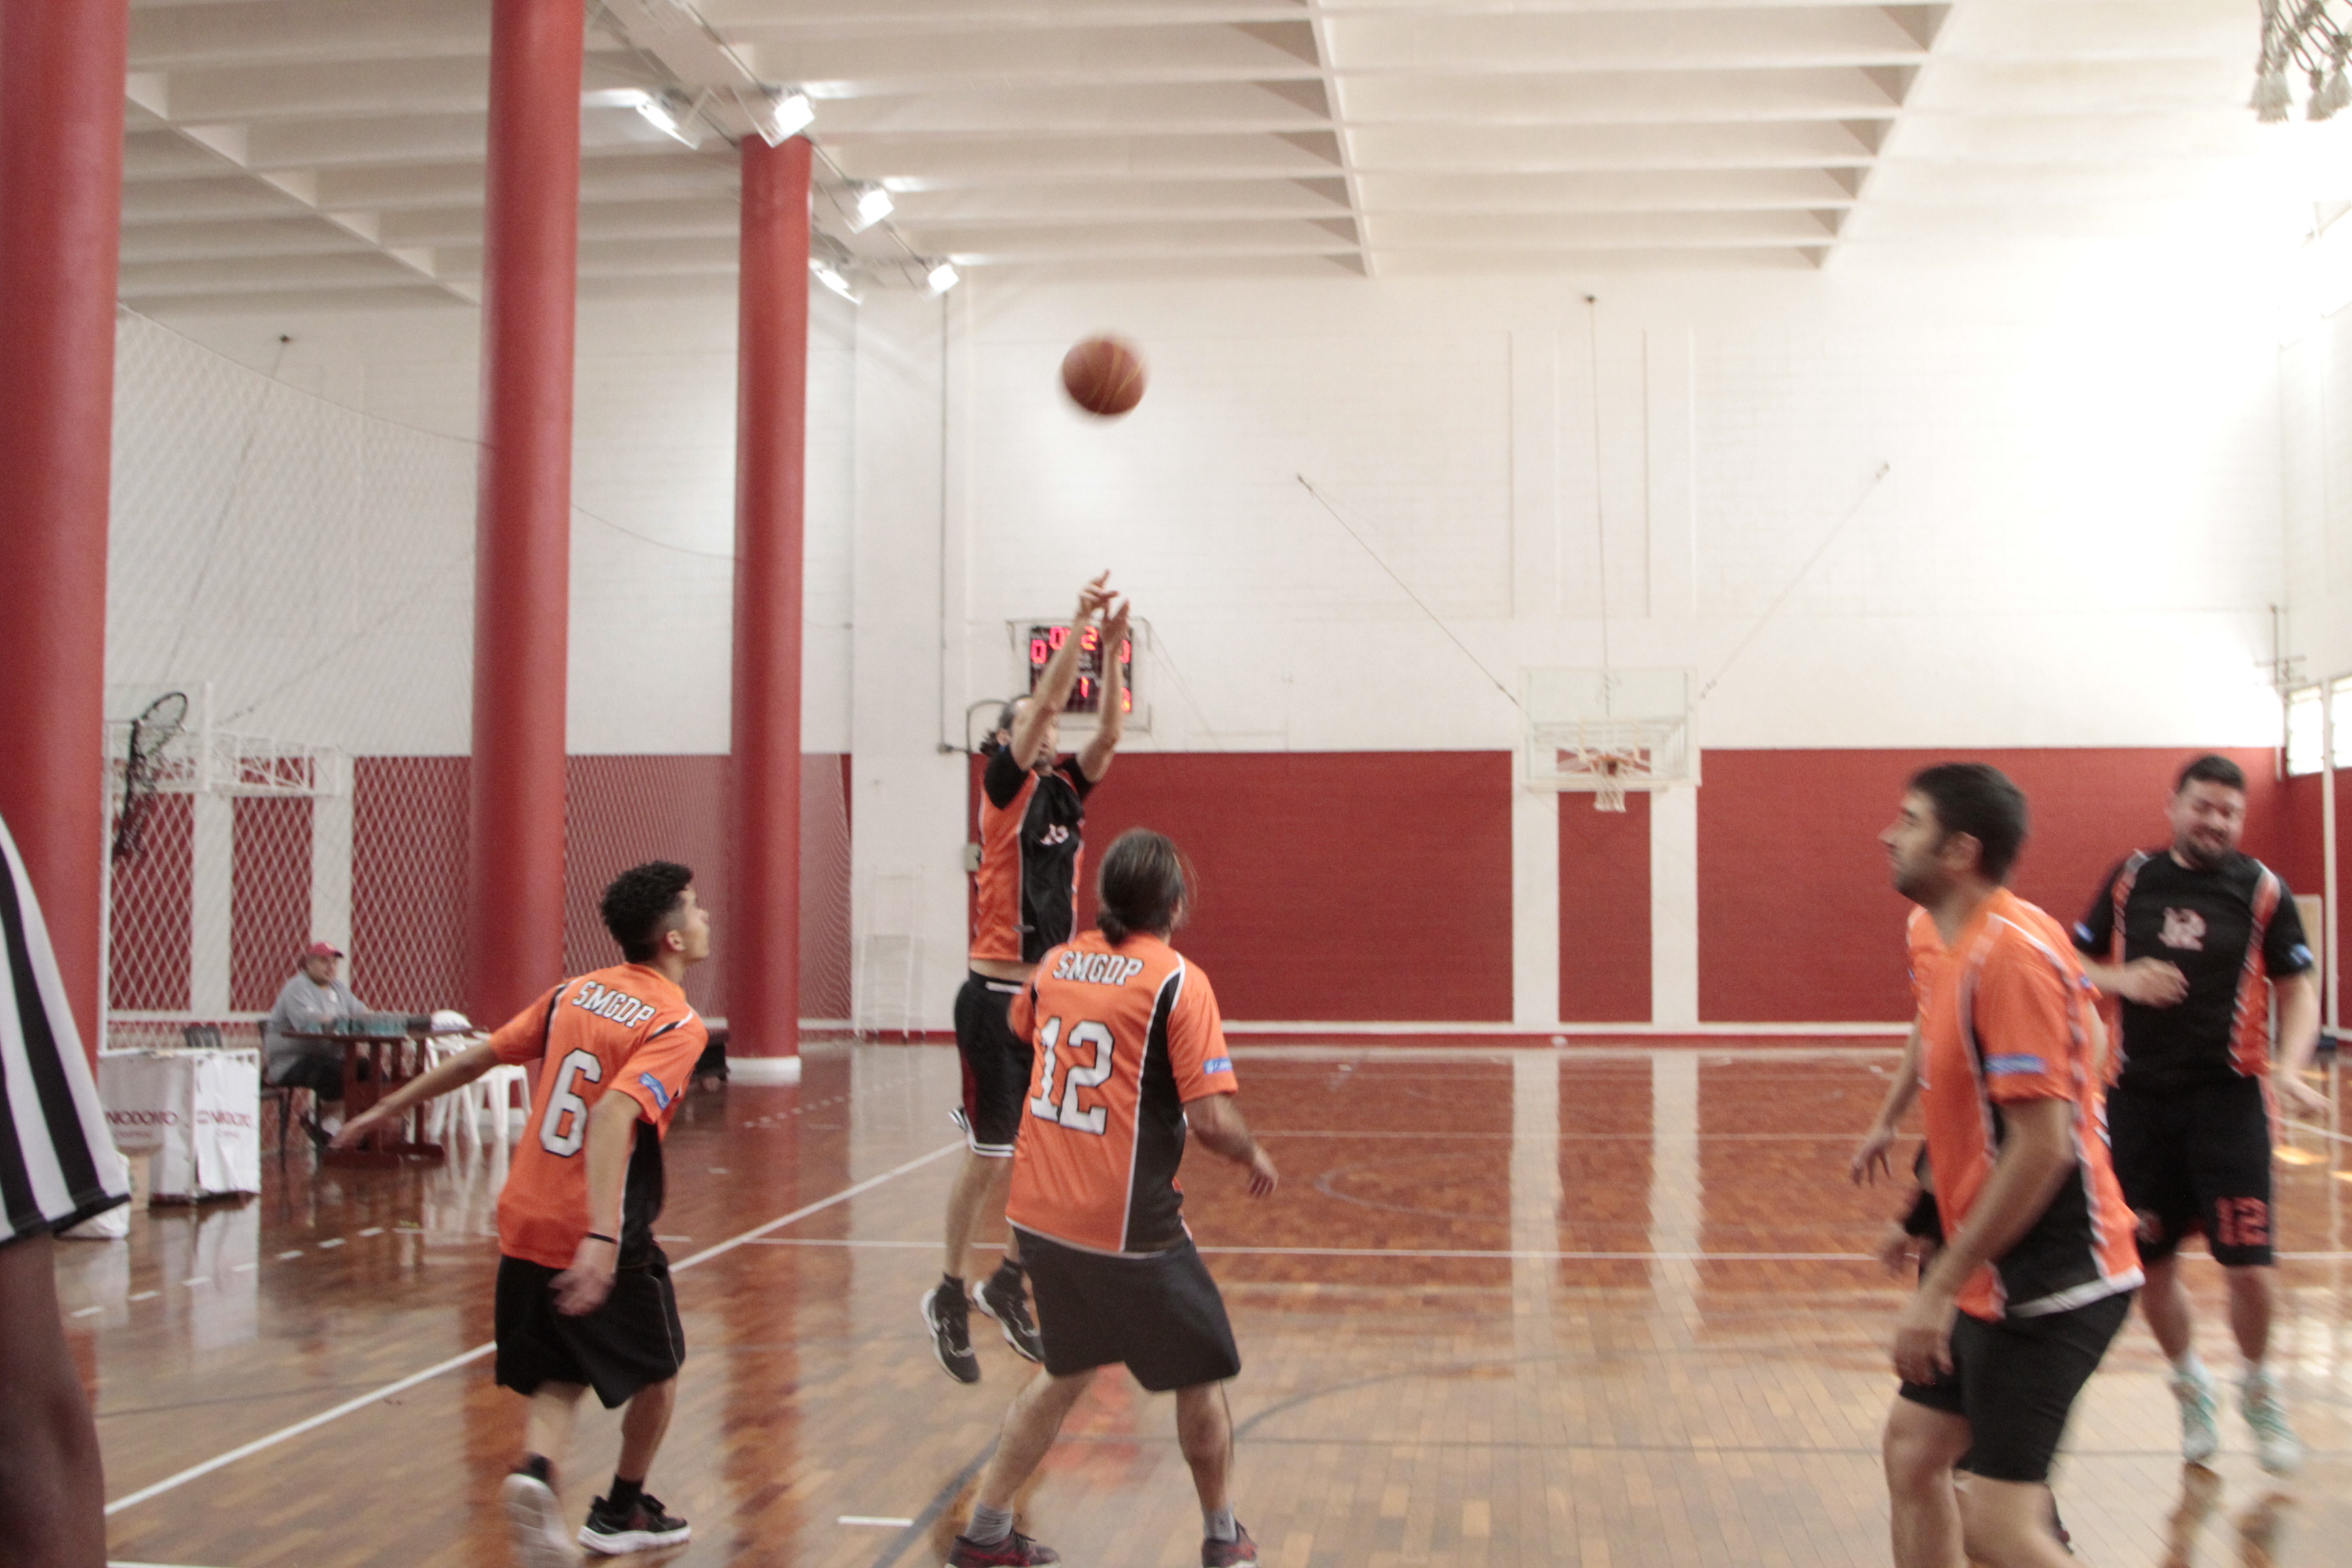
x=1066 y=1113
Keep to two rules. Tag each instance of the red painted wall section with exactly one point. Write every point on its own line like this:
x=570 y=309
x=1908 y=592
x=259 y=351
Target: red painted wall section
x=1604 y=911
x=269 y=911
x=1796 y=922
x=1334 y=885
x=408 y=882
x=147 y=961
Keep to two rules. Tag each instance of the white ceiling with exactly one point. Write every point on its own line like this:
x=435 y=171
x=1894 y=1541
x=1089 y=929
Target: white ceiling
x=330 y=150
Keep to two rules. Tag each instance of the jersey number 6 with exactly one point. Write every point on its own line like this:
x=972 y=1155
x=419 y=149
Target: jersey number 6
x=556 y=1135
x=1067 y=1115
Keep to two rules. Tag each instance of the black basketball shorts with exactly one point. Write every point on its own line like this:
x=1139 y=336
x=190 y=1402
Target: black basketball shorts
x=1160 y=1315
x=996 y=1064
x=2197 y=1159
x=632 y=1341
x=2016 y=1382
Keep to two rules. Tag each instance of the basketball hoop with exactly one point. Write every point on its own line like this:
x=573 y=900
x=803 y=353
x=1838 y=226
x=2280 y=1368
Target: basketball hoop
x=1609 y=769
x=1608 y=732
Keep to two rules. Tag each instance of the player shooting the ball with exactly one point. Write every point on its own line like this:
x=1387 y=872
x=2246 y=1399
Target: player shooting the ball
x=1033 y=814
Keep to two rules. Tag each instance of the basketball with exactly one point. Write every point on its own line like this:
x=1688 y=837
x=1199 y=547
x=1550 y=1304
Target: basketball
x=1104 y=376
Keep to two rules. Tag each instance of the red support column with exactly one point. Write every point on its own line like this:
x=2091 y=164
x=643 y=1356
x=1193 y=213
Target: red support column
x=61 y=73
x=523 y=533
x=763 y=916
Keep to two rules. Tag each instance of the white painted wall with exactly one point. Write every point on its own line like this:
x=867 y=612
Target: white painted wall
x=2315 y=407
x=2098 y=480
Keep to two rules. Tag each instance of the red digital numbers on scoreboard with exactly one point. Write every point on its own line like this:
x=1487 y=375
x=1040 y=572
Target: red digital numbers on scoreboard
x=1085 y=697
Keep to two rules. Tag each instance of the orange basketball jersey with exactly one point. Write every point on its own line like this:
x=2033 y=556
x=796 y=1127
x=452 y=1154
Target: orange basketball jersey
x=2006 y=1016
x=1125 y=1035
x=1032 y=844
x=624 y=1030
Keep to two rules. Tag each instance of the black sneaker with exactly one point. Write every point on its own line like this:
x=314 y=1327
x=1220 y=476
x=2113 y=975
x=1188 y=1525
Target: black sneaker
x=535 y=1524
x=1010 y=1308
x=1015 y=1550
x=641 y=1527
x=950 y=1322
x=1241 y=1552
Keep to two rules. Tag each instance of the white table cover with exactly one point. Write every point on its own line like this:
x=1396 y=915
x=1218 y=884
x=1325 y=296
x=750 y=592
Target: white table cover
x=198 y=1113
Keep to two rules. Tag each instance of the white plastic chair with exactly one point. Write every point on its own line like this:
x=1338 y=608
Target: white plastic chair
x=437 y=1111
x=491 y=1097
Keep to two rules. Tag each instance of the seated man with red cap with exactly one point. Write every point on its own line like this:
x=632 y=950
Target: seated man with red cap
x=314 y=1000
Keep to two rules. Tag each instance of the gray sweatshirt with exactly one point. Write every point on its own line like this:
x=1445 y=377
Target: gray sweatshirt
x=304 y=1004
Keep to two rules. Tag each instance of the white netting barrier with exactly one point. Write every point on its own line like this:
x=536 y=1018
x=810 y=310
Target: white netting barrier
x=301 y=574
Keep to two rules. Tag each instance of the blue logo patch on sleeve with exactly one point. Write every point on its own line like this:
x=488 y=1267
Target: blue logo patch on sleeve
x=2082 y=931
x=2005 y=1066
x=661 y=1095
x=1217 y=1064
x=2300 y=955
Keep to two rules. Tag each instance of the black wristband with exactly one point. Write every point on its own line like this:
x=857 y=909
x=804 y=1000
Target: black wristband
x=599 y=1235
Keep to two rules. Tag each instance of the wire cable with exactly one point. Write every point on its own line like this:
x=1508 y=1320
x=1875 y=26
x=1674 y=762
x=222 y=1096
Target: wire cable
x=1340 y=518
x=1774 y=608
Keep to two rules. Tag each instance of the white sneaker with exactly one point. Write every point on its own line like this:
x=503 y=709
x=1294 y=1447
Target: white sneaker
x=535 y=1524
x=2200 y=1424
x=2275 y=1444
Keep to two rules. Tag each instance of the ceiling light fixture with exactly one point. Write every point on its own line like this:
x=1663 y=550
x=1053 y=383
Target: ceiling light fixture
x=943 y=278
x=873 y=205
x=2300 y=32
x=830 y=276
x=784 y=114
x=672 y=114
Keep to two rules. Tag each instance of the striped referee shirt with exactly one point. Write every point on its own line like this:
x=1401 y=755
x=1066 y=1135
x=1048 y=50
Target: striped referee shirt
x=57 y=1163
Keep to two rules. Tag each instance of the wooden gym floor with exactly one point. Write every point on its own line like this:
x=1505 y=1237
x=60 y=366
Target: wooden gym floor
x=1587 y=1305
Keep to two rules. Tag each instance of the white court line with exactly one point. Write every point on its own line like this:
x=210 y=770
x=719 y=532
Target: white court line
x=1456 y=1252
x=877 y=1520
x=285 y=1434
x=1411 y=1252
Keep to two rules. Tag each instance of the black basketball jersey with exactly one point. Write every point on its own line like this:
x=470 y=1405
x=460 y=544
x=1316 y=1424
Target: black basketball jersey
x=1031 y=844
x=2231 y=930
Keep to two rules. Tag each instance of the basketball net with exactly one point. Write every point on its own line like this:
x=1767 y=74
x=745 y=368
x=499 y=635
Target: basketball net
x=1610 y=768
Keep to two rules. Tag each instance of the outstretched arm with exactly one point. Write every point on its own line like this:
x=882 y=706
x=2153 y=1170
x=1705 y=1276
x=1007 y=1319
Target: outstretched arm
x=1061 y=677
x=456 y=1073
x=1110 y=717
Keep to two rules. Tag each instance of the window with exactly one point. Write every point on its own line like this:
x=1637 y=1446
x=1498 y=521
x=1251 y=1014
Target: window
x=2304 y=726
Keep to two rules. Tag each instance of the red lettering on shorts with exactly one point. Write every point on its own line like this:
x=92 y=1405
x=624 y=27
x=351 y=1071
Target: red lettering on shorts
x=2242 y=1222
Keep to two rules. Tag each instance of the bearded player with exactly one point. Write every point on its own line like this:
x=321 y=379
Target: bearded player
x=2192 y=940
